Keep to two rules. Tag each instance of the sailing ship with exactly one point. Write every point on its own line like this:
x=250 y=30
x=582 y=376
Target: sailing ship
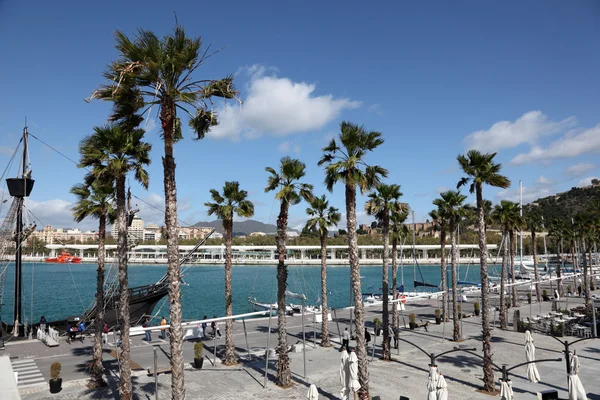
x=64 y=258
x=13 y=236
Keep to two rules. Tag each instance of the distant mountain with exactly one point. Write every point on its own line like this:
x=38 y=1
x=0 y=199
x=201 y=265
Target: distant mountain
x=566 y=205
x=243 y=228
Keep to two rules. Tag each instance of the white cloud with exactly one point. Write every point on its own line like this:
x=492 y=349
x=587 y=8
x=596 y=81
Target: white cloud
x=506 y=134
x=6 y=151
x=586 y=181
x=542 y=180
x=570 y=145
x=579 y=169
x=529 y=194
x=57 y=213
x=375 y=108
x=288 y=147
x=149 y=125
x=441 y=189
x=277 y=106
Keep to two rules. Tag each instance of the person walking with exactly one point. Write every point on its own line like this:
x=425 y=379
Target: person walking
x=345 y=340
x=390 y=336
x=82 y=330
x=163 y=332
x=396 y=335
x=105 y=334
x=68 y=331
x=215 y=326
x=204 y=325
x=148 y=334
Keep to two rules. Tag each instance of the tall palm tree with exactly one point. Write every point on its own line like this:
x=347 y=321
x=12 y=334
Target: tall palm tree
x=95 y=199
x=515 y=222
x=231 y=201
x=556 y=230
x=441 y=225
x=322 y=217
x=505 y=214
x=534 y=224
x=289 y=192
x=163 y=71
x=380 y=205
x=481 y=169
x=399 y=232
x=345 y=163
x=450 y=207
x=583 y=227
x=112 y=152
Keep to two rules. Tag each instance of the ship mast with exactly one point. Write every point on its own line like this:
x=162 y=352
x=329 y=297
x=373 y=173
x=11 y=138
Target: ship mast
x=19 y=188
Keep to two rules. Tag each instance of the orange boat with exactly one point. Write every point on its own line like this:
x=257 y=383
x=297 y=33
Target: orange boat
x=63 y=258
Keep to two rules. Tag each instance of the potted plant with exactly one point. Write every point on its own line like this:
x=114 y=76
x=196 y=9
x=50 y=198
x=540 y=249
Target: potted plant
x=592 y=284
x=412 y=321
x=438 y=316
x=529 y=297
x=545 y=295
x=569 y=290
x=476 y=308
x=55 y=379
x=198 y=359
x=377 y=323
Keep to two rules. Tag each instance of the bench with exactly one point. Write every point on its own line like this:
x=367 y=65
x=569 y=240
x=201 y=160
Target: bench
x=160 y=370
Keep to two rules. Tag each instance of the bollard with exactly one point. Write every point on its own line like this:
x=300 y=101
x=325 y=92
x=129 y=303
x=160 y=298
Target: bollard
x=155 y=373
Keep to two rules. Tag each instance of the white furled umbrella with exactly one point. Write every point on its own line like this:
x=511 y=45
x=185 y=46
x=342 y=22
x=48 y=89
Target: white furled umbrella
x=432 y=383
x=506 y=392
x=532 y=372
x=442 y=388
x=344 y=375
x=576 y=390
x=313 y=393
x=353 y=384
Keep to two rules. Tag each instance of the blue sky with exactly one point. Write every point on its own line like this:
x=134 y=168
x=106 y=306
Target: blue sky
x=436 y=78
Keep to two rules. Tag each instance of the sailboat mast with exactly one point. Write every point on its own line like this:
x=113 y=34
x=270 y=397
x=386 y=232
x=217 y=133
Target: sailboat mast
x=414 y=251
x=521 y=229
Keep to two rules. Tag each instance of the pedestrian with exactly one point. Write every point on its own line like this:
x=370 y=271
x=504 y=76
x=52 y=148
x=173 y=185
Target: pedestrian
x=367 y=336
x=163 y=332
x=147 y=332
x=396 y=335
x=43 y=324
x=215 y=326
x=204 y=325
x=82 y=330
x=390 y=335
x=105 y=334
x=345 y=340
x=68 y=331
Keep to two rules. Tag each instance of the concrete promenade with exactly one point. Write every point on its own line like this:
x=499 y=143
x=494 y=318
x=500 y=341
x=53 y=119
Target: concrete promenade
x=406 y=375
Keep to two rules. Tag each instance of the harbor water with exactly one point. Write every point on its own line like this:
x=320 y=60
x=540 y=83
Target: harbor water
x=60 y=290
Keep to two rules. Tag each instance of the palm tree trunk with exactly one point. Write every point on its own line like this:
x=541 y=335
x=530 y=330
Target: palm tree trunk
x=575 y=263
x=455 y=313
x=97 y=380
x=559 y=282
x=359 y=318
x=513 y=280
x=444 y=276
x=167 y=118
x=230 y=356
x=324 y=310
x=503 y=322
x=284 y=373
x=385 y=285
x=488 y=372
x=125 y=388
x=586 y=279
x=538 y=293
x=395 y=282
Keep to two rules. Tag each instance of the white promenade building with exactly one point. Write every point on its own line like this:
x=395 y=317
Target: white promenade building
x=336 y=255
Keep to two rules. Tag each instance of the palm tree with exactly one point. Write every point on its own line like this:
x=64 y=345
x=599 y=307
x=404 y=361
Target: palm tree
x=233 y=200
x=534 y=224
x=346 y=163
x=95 y=199
x=450 y=208
x=162 y=70
x=289 y=192
x=112 y=152
x=481 y=169
x=556 y=230
x=506 y=214
x=515 y=222
x=399 y=232
x=441 y=225
x=379 y=205
x=583 y=227
x=322 y=217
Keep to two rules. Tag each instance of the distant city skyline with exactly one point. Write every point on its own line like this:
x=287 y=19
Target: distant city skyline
x=436 y=79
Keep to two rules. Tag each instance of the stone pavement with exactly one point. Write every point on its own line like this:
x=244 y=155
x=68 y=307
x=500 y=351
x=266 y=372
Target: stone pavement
x=406 y=375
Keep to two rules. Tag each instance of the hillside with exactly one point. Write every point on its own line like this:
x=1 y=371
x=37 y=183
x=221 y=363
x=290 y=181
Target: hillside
x=566 y=205
x=243 y=228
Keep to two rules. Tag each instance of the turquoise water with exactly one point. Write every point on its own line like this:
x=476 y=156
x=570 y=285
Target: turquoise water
x=61 y=290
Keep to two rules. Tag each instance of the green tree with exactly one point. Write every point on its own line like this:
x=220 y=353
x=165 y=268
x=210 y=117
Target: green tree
x=533 y=220
x=346 y=164
x=163 y=71
x=399 y=233
x=95 y=199
x=289 y=192
x=231 y=201
x=380 y=205
x=450 y=207
x=440 y=223
x=322 y=216
x=481 y=169
x=583 y=227
x=113 y=152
